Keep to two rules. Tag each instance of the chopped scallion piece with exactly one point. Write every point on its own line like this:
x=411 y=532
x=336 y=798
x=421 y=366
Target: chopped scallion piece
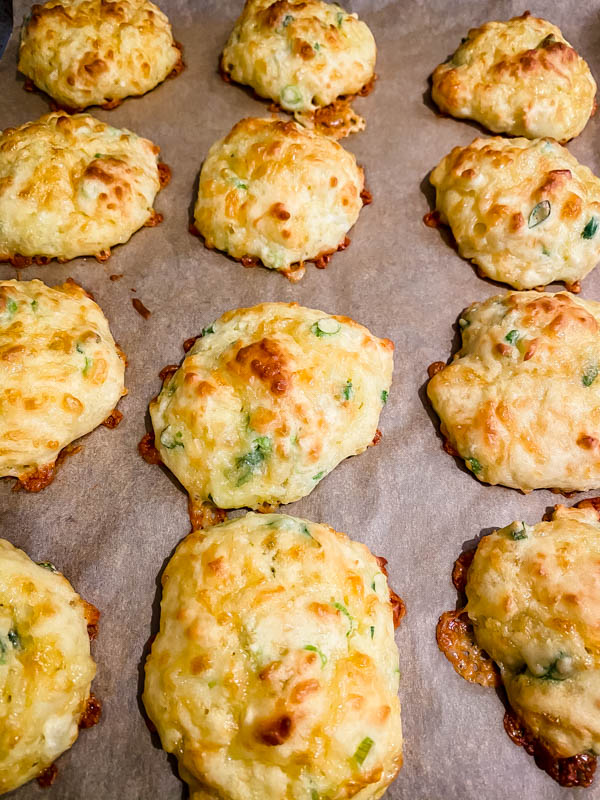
x=384 y=396
x=47 y=565
x=363 y=749
x=590 y=229
x=170 y=440
x=207 y=330
x=34 y=305
x=590 y=375
x=339 y=18
x=291 y=96
x=372 y=631
x=519 y=533
x=11 y=306
x=474 y=465
x=326 y=327
x=346 y=613
x=319 y=475
x=512 y=336
x=247 y=464
x=348 y=391
x=314 y=649
x=539 y=213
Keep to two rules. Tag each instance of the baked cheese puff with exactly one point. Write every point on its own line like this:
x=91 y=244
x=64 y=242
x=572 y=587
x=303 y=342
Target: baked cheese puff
x=275 y=671
x=519 y=401
x=534 y=600
x=61 y=375
x=268 y=401
x=46 y=668
x=74 y=186
x=519 y=77
x=305 y=55
x=274 y=193
x=93 y=52
x=526 y=212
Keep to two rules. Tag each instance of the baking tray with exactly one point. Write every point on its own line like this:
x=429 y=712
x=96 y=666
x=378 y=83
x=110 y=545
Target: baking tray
x=110 y=521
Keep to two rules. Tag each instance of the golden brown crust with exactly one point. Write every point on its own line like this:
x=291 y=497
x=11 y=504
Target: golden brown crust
x=47 y=777
x=147 y=449
x=456 y=640
x=92 y=712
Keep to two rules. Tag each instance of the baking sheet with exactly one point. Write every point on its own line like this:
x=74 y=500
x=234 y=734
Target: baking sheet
x=110 y=521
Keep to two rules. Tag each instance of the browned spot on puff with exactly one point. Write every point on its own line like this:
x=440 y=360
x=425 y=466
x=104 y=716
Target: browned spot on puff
x=397 y=603
x=92 y=616
x=37 y=480
x=93 y=712
x=276 y=731
x=456 y=640
x=110 y=104
x=591 y=502
x=460 y=570
x=274 y=14
x=377 y=438
x=103 y=255
x=432 y=219
x=46 y=778
x=164 y=174
x=189 y=343
x=179 y=64
x=250 y=261
x=279 y=211
x=449 y=448
x=588 y=442
x=366 y=197
x=568 y=772
x=167 y=372
x=436 y=367
x=267 y=361
x=113 y=419
x=205 y=515
x=147 y=449
x=140 y=308
x=573 y=287
x=153 y=220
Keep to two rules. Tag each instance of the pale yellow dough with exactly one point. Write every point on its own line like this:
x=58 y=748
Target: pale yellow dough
x=302 y=54
x=534 y=600
x=269 y=401
x=520 y=402
x=91 y=52
x=520 y=77
x=275 y=672
x=61 y=373
x=45 y=666
x=277 y=192
x=73 y=186
x=526 y=212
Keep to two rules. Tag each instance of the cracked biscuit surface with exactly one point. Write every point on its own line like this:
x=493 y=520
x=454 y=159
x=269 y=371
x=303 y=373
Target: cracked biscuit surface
x=93 y=52
x=526 y=212
x=519 y=77
x=533 y=599
x=73 y=186
x=275 y=671
x=46 y=668
x=268 y=401
x=276 y=193
x=303 y=55
x=519 y=402
x=61 y=374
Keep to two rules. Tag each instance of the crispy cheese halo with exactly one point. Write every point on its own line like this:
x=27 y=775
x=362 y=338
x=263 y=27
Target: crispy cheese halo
x=272 y=192
x=46 y=668
x=61 y=375
x=520 y=77
x=526 y=212
x=519 y=400
x=303 y=55
x=74 y=186
x=540 y=625
x=268 y=401
x=92 y=52
x=276 y=649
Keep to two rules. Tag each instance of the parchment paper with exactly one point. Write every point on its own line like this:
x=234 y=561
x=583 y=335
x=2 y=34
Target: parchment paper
x=110 y=521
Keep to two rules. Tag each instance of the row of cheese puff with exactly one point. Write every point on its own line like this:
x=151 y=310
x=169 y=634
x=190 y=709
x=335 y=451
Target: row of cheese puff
x=269 y=399
x=319 y=690
x=303 y=55
x=274 y=193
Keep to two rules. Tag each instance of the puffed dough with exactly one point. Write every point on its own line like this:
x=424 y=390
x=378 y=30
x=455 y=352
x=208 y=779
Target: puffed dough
x=73 y=186
x=268 y=401
x=520 y=77
x=45 y=666
x=534 y=600
x=276 y=649
x=96 y=52
x=276 y=192
x=519 y=402
x=301 y=54
x=61 y=373
x=526 y=212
